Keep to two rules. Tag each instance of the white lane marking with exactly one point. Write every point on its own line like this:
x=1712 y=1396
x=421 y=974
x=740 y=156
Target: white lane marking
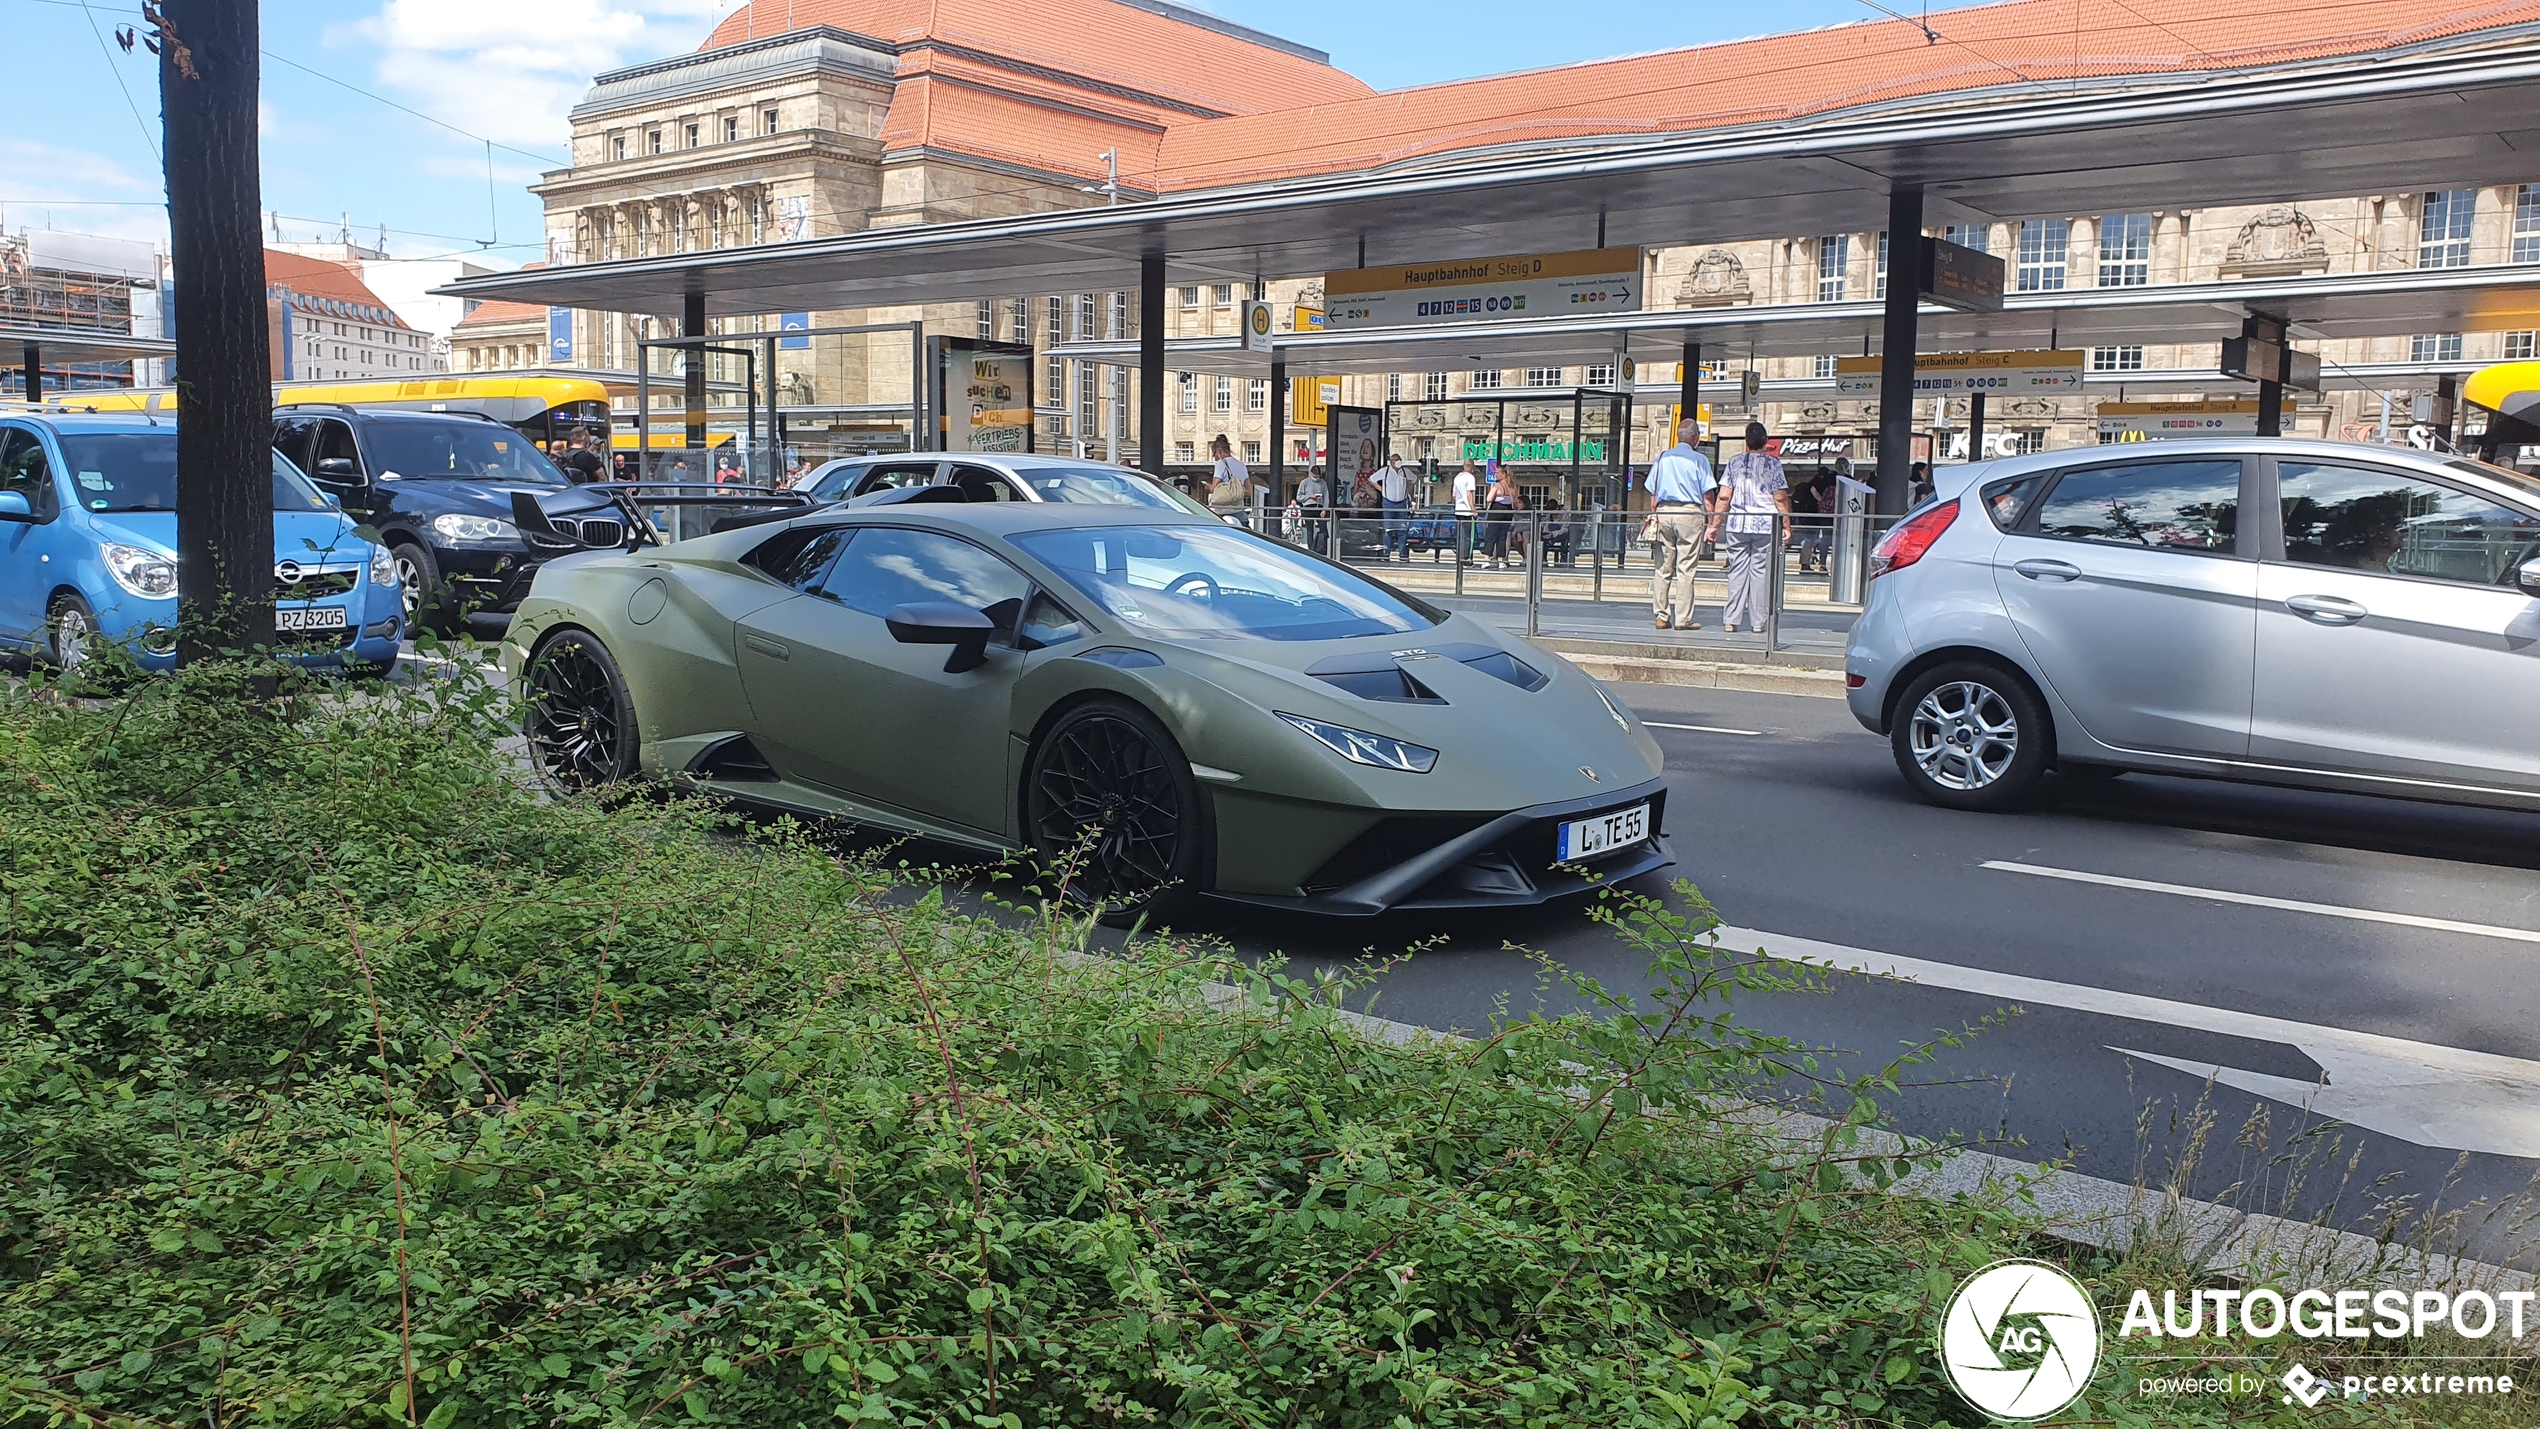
x=2422 y=1092
x=1701 y=728
x=2258 y=900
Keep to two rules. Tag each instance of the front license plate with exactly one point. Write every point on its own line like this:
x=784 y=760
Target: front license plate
x=1586 y=838
x=323 y=617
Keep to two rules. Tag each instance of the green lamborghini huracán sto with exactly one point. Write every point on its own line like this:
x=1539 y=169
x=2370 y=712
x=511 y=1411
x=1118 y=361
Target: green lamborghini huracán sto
x=1165 y=702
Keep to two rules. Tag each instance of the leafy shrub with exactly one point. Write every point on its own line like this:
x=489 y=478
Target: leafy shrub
x=346 y=1079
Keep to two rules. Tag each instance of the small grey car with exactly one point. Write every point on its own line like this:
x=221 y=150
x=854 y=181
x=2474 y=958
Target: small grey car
x=2322 y=614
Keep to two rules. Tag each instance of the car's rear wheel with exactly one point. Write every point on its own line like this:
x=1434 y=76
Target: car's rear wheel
x=1970 y=736
x=581 y=721
x=1111 y=808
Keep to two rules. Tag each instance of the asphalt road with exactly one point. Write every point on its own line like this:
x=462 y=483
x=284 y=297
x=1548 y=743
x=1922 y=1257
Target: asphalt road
x=2163 y=1031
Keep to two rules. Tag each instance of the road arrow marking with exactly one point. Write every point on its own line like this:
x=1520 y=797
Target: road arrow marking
x=2422 y=1092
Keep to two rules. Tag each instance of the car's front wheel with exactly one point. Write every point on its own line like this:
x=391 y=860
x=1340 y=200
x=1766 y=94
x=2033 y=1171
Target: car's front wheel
x=1111 y=807
x=1970 y=736
x=70 y=632
x=419 y=587
x=581 y=720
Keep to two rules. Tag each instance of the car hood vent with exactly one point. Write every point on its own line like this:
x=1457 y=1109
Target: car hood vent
x=1393 y=685
x=1390 y=675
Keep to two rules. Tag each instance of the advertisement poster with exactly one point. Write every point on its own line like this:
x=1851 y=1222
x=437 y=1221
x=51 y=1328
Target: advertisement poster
x=984 y=392
x=1356 y=448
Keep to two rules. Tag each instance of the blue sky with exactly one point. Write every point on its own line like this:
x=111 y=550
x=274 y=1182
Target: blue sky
x=79 y=150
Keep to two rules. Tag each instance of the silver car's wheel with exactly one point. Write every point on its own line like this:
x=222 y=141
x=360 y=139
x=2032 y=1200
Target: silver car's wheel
x=1971 y=736
x=1964 y=735
x=70 y=631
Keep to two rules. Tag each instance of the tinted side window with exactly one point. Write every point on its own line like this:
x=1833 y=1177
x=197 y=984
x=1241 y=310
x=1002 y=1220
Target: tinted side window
x=2166 y=505
x=2358 y=519
x=895 y=473
x=801 y=563
x=291 y=438
x=335 y=443
x=2004 y=500
x=887 y=566
x=24 y=470
x=981 y=484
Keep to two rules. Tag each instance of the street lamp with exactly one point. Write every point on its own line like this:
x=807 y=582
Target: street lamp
x=1111 y=185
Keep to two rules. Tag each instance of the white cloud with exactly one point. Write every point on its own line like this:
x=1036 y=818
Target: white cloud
x=510 y=69
x=80 y=191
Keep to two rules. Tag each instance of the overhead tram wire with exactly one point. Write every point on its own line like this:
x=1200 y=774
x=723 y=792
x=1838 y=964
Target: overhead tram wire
x=148 y=138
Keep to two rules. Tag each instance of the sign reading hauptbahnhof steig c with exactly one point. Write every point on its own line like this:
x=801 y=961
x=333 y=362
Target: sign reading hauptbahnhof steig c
x=1467 y=290
x=2022 y=1340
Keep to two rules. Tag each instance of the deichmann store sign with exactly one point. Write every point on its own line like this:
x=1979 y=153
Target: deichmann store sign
x=1543 y=449
x=2014 y=374
x=2021 y=1340
x=1593 y=280
x=2152 y=421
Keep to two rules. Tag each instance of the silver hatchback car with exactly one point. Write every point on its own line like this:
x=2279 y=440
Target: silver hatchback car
x=2322 y=614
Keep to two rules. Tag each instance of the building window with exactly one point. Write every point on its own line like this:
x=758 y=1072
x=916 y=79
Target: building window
x=1834 y=257
x=1393 y=386
x=1120 y=328
x=2443 y=231
x=2125 y=250
x=2116 y=359
x=1184 y=453
x=1257 y=395
x=1085 y=330
x=1023 y=320
x=2435 y=347
x=691 y=136
x=2521 y=346
x=1088 y=403
x=2043 y=242
x=1880 y=281
x=1978 y=236
x=1222 y=295
x=1190 y=297
x=1433 y=386
x=1189 y=385
x=1057 y=320
x=987 y=320
x=1482 y=380
x=2527 y=224
x=1824 y=365
x=731 y=127
x=1221 y=396
x=1601 y=375
x=617 y=146
x=1252 y=453
x=652 y=142
x=2027 y=439
x=1543 y=376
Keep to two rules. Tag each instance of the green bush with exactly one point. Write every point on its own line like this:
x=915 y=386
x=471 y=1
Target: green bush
x=346 y=1079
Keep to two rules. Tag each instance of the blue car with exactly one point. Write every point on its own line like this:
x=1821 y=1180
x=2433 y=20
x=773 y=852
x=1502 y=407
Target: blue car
x=88 y=550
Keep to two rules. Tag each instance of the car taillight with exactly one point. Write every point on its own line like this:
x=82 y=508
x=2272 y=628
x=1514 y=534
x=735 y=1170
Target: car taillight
x=1905 y=543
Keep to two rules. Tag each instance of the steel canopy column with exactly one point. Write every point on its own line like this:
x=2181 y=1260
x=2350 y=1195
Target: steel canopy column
x=34 y=374
x=1975 y=426
x=1151 y=363
x=1688 y=390
x=2270 y=409
x=693 y=324
x=1896 y=347
x=1278 y=433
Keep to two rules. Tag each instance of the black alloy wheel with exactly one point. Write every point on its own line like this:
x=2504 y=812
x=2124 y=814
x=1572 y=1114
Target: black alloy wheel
x=581 y=722
x=1110 y=804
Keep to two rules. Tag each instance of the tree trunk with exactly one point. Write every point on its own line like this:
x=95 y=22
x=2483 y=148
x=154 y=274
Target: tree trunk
x=208 y=78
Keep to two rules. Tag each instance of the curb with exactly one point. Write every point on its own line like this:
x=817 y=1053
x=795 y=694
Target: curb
x=1709 y=675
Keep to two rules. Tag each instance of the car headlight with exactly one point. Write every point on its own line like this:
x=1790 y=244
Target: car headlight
x=145 y=573
x=383 y=567
x=455 y=527
x=1359 y=747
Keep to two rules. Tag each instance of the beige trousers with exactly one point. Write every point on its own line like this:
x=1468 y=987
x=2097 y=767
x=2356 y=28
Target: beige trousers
x=1679 y=531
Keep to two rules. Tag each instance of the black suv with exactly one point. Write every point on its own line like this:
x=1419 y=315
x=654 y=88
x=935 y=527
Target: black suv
x=437 y=487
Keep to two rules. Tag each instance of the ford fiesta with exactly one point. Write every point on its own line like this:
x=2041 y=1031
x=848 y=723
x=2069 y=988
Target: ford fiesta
x=88 y=550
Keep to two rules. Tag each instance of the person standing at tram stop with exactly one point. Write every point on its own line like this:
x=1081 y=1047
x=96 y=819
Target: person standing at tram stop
x=1393 y=490
x=1500 y=514
x=1753 y=492
x=1680 y=487
x=1229 y=483
x=1314 y=503
x=1468 y=488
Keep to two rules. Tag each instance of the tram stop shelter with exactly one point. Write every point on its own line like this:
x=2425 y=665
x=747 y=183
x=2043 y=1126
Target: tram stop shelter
x=71 y=345
x=1975 y=115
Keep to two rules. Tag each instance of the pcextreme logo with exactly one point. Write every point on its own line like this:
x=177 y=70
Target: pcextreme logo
x=2019 y=1339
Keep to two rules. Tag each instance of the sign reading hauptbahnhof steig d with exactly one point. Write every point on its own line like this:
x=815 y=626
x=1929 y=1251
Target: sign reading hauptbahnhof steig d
x=1467 y=290
x=2022 y=1340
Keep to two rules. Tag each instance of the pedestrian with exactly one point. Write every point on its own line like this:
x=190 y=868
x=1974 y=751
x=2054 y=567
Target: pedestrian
x=1314 y=505
x=1920 y=490
x=1229 y=483
x=727 y=471
x=582 y=462
x=1393 y=492
x=1680 y=487
x=1468 y=487
x=1556 y=533
x=1502 y=513
x=1752 y=492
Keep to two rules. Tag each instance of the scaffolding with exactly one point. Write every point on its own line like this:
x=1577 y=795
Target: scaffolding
x=36 y=295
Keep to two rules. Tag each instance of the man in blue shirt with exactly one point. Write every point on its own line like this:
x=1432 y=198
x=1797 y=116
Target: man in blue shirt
x=1680 y=487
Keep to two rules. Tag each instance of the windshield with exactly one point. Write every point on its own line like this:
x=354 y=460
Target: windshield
x=1215 y=582
x=136 y=471
x=1105 y=486
x=444 y=449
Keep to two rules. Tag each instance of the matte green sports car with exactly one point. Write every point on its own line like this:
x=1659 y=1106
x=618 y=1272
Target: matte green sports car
x=1227 y=714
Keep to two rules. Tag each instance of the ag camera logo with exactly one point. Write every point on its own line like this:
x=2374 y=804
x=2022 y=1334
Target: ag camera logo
x=2019 y=1339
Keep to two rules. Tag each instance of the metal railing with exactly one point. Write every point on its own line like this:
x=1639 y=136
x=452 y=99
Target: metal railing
x=1590 y=574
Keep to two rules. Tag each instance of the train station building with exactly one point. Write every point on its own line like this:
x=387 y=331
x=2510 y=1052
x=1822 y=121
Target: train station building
x=801 y=123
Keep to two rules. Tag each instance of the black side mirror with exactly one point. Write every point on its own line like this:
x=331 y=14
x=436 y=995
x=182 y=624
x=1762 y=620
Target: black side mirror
x=940 y=622
x=340 y=470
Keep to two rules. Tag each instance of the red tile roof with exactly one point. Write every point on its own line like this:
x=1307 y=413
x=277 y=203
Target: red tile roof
x=500 y=310
x=1789 y=76
x=317 y=278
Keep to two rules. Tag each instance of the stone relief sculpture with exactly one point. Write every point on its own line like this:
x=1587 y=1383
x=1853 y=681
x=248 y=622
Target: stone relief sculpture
x=1717 y=279
x=2280 y=241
